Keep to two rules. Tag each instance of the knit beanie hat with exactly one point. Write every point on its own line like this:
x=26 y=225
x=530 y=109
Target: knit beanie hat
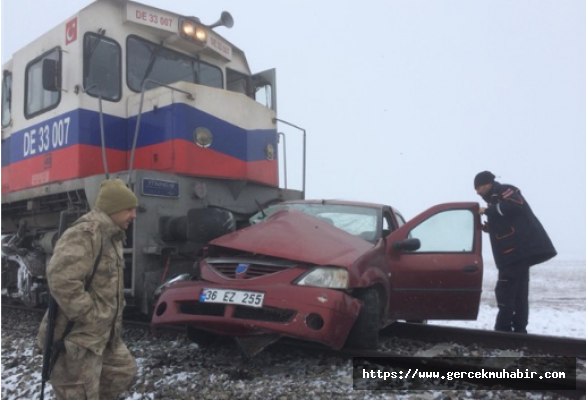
x=115 y=196
x=482 y=178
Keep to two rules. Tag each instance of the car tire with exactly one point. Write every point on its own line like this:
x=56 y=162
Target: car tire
x=201 y=338
x=365 y=332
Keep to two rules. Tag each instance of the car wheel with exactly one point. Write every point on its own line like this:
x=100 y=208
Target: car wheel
x=201 y=338
x=364 y=333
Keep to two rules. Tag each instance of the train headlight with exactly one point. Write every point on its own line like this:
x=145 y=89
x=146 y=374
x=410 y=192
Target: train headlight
x=201 y=34
x=192 y=31
x=270 y=152
x=203 y=137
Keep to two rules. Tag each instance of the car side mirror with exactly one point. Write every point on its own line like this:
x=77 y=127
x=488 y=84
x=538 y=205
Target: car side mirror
x=411 y=244
x=51 y=75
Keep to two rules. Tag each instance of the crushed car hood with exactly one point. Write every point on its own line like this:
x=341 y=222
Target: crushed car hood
x=294 y=235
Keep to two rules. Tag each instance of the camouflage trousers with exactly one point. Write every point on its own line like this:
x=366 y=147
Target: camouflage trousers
x=80 y=374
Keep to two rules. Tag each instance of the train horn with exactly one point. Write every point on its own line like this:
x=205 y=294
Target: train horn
x=225 y=20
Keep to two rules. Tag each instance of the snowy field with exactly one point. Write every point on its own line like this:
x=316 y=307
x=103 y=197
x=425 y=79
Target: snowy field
x=557 y=299
x=557 y=308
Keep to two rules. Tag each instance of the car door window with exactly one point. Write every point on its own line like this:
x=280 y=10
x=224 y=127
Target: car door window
x=449 y=231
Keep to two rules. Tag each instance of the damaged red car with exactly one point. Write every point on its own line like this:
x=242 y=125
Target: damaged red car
x=329 y=271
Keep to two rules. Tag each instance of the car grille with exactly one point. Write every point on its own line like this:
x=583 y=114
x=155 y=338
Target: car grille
x=265 y=314
x=197 y=308
x=253 y=271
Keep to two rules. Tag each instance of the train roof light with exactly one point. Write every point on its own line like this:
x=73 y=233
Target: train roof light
x=192 y=30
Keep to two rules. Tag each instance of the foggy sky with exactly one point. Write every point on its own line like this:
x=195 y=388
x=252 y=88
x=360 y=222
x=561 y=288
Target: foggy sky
x=405 y=101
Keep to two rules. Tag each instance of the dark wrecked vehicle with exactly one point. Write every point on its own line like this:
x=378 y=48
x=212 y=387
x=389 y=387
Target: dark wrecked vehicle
x=329 y=271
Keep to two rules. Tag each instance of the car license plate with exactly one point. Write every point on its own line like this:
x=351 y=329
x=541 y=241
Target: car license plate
x=229 y=296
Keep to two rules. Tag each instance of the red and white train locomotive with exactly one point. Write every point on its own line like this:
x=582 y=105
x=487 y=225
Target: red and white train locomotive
x=158 y=99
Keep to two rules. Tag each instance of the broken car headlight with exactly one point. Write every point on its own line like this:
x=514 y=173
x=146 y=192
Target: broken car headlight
x=328 y=277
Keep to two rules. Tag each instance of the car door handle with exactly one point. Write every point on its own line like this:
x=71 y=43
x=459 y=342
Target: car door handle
x=470 y=268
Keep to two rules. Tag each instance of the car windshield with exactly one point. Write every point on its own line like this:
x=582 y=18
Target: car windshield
x=356 y=220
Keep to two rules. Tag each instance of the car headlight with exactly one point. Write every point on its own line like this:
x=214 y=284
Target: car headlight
x=328 y=277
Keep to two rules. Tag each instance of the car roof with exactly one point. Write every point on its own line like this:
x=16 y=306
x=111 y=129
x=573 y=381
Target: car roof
x=338 y=202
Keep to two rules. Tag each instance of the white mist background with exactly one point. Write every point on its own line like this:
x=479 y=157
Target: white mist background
x=404 y=102
x=557 y=299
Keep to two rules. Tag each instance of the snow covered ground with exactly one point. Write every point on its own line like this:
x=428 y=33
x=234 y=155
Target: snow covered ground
x=557 y=308
x=557 y=299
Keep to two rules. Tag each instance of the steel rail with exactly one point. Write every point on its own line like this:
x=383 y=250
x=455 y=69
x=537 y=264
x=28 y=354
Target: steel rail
x=559 y=346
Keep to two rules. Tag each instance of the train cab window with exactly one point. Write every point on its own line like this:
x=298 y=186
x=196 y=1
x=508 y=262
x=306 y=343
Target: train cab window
x=264 y=95
x=265 y=88
x=37 y=99
x=147 y=60
x=102 y=67
x=6 y=98
x=237 y=82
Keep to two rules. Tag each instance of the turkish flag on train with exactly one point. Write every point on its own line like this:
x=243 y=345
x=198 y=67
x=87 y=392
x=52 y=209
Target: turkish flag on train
x=71 y=31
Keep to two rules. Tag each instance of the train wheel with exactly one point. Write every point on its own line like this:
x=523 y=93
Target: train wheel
x=365 y=332
x=201 y=338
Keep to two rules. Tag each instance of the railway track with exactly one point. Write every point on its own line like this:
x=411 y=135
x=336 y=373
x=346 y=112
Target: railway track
x=527 y=343
x=532 y=355
x=130 y=320
x=493 y=352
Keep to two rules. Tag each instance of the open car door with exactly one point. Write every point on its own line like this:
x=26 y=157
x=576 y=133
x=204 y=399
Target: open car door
x=442 y=279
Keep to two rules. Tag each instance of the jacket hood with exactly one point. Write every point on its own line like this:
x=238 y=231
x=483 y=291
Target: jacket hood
x=109 y=227
x=296 y=236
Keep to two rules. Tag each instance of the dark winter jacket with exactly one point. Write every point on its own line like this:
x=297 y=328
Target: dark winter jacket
x=516 y=235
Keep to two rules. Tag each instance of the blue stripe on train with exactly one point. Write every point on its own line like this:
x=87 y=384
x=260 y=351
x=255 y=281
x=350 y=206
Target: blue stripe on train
x=176 y=121
x=69 y=129
x=182 y=120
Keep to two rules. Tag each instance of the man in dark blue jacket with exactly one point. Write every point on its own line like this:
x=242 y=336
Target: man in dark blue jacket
x=518 y=241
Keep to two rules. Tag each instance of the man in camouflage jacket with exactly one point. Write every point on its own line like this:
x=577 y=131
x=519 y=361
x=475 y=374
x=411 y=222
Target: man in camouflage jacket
x=96 y=364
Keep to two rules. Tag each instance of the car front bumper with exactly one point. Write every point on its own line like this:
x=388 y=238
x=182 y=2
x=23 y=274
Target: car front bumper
x=308 y=313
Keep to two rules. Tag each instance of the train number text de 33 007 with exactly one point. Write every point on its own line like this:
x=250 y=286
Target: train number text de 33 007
x=46 y=137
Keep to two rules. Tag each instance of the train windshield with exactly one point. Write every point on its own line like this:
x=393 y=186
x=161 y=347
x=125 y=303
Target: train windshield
x=147 y=60
x=102 y=66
